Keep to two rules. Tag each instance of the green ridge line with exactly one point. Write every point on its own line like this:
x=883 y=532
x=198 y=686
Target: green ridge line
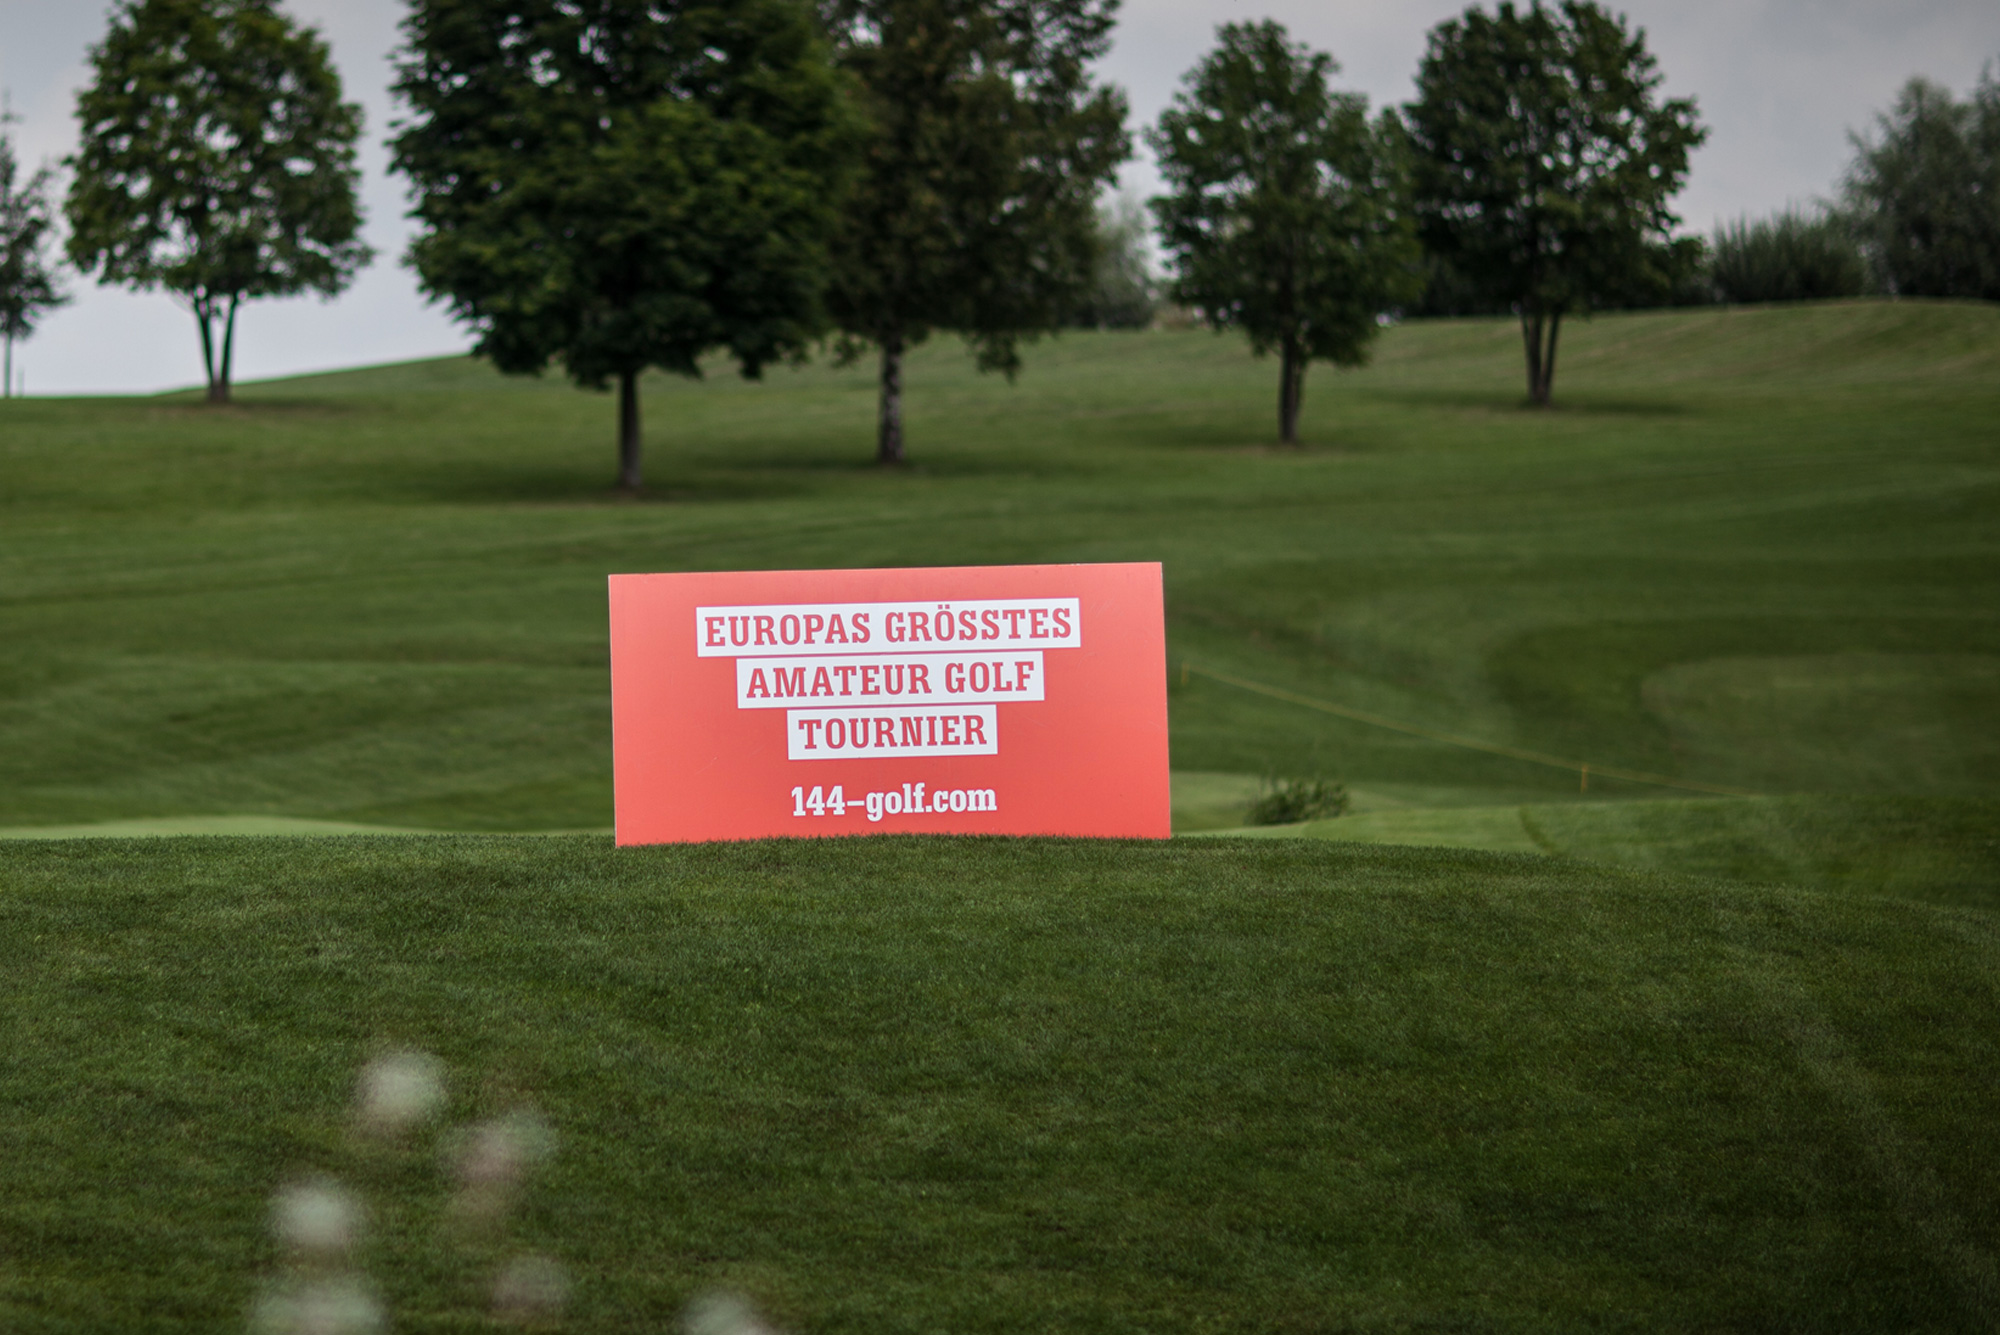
x=1583 y=767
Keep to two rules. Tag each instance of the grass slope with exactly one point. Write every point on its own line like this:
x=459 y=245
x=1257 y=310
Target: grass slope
x=1941 y=850
x=1750 y=547
x=908 y=1085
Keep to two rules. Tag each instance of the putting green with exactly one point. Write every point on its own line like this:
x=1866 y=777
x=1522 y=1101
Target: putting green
x=1858 y=722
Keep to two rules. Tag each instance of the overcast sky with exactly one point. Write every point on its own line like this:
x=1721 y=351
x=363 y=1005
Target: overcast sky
x=1780 y=83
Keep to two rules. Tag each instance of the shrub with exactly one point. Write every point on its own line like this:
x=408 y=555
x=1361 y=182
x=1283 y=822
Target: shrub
x=1790 y=257
x=1288 y=801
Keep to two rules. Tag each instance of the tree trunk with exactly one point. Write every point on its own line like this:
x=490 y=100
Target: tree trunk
x=1291 y=390
x=889 y=422
x=1531 y=339
x=219 y=392
x=628 y=430
x=202 y=311
x=1539 y=332
x=1549 y=358
x=7 y=383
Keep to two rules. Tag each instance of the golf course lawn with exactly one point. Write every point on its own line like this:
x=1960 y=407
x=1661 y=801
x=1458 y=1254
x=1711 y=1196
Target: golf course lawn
x=1516 y=1044
x=918 y=1085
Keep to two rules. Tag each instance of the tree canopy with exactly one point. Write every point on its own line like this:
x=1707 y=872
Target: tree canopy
x=217 y=162
x=1923 y=192
x=1544 y=162
x=624 y=184
x=975 y=208
x=1286 y=218
x=28 y=285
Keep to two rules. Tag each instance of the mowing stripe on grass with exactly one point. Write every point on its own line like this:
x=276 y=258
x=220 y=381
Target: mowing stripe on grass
x=1583 y=767
x=1912 y=1187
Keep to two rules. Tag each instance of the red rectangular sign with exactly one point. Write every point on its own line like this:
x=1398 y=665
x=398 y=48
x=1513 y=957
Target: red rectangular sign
x=942 y=700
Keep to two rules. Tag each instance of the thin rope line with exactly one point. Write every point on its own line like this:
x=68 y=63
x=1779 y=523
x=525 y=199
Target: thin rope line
x=1581 y=767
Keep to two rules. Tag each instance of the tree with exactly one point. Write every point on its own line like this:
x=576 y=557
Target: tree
x=1286 y=218
x=1544 y=162
x=624 y=184
x=1924 y=192
x=975 y=208
x=28 y=285
x=217 y=162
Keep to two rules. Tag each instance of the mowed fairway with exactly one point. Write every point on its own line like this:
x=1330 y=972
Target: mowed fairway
x=1618 y=1055
x=912 y=1085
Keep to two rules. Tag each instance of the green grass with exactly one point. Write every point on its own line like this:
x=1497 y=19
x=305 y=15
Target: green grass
x=916 y=1085
x=1940 y=850
x=1652 y=1060
x=1753 y=548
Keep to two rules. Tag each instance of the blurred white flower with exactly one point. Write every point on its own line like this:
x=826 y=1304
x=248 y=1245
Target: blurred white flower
x=491 y=1159
x=530 y=1288
x=717 y=1313
x=398 y=1091
x=337 y=1305
x=318 y=1219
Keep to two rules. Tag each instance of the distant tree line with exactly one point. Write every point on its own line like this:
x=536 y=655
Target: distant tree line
x=613 y=186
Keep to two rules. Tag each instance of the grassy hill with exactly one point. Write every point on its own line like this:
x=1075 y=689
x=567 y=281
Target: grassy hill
x=1751 y=548
x=1654 y=1058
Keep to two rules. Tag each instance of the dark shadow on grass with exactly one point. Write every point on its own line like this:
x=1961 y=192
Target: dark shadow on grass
x=769 y=477
x=579 y=487
x=1566 y=406
x=193 y=407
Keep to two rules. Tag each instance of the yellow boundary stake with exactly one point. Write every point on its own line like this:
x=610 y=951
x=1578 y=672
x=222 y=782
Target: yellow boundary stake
x=1582 y=767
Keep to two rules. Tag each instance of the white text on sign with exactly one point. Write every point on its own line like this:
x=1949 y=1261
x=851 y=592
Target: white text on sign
x=862 y=679
x=857 y=734
x=847 y=628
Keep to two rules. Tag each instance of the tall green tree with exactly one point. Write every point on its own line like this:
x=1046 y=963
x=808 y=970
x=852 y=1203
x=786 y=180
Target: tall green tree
x=1923 y=192
x=1287 y=217
x=28 y=286
x=217 y=162
x=1544 y=163
x=975 y=208
x=623 y=184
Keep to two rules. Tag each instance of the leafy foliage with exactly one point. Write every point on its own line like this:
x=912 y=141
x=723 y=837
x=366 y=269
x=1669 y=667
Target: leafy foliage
x=975 y=212
x=618 y=184
x=217 y=162
x=1289 y=801
x=1123 y=294
x=1285 y=218
x=1924 y=192
x=1544 y=163
x=1790 y=257
x=28 y=286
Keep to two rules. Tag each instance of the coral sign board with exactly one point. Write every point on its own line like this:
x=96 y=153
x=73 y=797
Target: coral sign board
x=943 y=700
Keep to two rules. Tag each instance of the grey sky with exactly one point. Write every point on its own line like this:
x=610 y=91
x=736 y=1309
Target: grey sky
x=1779 y=82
